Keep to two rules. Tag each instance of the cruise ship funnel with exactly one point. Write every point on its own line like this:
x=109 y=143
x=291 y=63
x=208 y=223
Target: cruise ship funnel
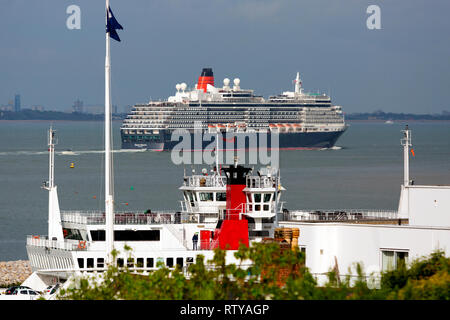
x=205 y=78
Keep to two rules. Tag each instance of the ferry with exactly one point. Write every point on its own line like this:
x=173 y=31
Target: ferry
x=235 y=205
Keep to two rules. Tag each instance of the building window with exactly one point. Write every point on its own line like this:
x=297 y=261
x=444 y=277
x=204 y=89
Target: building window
x=392 y=259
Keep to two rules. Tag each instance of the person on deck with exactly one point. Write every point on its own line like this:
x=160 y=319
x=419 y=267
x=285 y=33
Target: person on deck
x=194 y=241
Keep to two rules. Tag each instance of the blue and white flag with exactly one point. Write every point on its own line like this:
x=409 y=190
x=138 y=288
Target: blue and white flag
x=112 y=25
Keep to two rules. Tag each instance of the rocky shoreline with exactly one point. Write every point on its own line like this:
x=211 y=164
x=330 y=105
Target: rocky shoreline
x=14 y=272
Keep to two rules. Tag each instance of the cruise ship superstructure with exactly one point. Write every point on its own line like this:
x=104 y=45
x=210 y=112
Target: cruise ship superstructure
x=300 y=120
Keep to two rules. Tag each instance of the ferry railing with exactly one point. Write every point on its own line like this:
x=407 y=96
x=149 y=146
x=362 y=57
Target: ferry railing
x=261 y=182
x=67 y=244
x=205 y=181
x=340 y=215
x=139 y=218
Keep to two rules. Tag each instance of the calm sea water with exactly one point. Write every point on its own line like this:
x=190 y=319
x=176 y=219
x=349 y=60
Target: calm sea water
x=364 y=172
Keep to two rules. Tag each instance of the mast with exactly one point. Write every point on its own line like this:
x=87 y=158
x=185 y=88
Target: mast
x=54 y=215
x=109 y=196
x=403 y=206
x=51 y=160
x=406 y=143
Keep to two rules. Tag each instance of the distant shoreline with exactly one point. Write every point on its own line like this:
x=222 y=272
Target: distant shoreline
x=120 y=120
x=43 y=120
x=396 y=121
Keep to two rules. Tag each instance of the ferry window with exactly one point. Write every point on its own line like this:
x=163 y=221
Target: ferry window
x=257 y=197
x=128 y=235
x=140 y=262
x=130 y=262
x=90 y=262
x=189 y=260
x=206 y=196
x=169 y=262
x=258 y=207
x=150 y=263
x=73 y=234
x=100 y=262
x=160 y=262
x=267 y=197
x=120 y=262
x=303 y=250
x=180 y=262
x=80 y=263
x=221 y=196
x=266 y=207
x=391 y=260
x=98 y=235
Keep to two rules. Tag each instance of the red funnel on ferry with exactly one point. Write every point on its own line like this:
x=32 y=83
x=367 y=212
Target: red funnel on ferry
x=205 y=78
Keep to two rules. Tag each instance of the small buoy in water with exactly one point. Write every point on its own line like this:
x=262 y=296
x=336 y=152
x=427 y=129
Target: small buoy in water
x=72 y=165
x=131 y=188
x=94 y=197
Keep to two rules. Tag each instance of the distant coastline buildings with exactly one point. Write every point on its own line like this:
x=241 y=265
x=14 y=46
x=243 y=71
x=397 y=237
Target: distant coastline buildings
x=17 y=103
x=14 y=110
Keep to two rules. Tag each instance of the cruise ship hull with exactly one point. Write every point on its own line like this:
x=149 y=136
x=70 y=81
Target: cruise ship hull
x=235 y=141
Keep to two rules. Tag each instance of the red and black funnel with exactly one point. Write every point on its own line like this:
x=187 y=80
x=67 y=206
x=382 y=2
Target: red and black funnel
x=236 y=198
x=233 y=230
x=205 y=78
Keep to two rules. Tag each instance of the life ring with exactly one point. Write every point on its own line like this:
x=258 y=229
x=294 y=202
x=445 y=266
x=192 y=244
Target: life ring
x=36 y=237
x=81 y=244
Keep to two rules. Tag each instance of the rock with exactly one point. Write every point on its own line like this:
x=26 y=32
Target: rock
x=14 y=272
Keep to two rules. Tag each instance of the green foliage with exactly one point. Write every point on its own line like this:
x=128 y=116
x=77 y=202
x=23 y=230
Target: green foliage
x=263 y=271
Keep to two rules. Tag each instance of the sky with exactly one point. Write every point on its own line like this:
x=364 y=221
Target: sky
x=402 y=67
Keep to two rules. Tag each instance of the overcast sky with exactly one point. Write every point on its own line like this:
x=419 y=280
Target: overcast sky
x=404 y=67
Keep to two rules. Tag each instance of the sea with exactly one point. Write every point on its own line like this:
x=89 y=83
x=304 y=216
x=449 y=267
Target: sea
x=363 y=171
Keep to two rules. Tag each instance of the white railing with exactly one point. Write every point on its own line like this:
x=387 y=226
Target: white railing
x=262 y=182
x=98 y=217
x=205 y=181
x=68 y=245
x=162 y=217
x=341 y=215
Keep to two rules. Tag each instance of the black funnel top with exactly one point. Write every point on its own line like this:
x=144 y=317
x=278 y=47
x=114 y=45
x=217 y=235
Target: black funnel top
x=236 y=175
x=207 y=72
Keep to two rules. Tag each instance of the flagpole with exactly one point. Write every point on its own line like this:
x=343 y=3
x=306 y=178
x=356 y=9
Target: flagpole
x=109 y=197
